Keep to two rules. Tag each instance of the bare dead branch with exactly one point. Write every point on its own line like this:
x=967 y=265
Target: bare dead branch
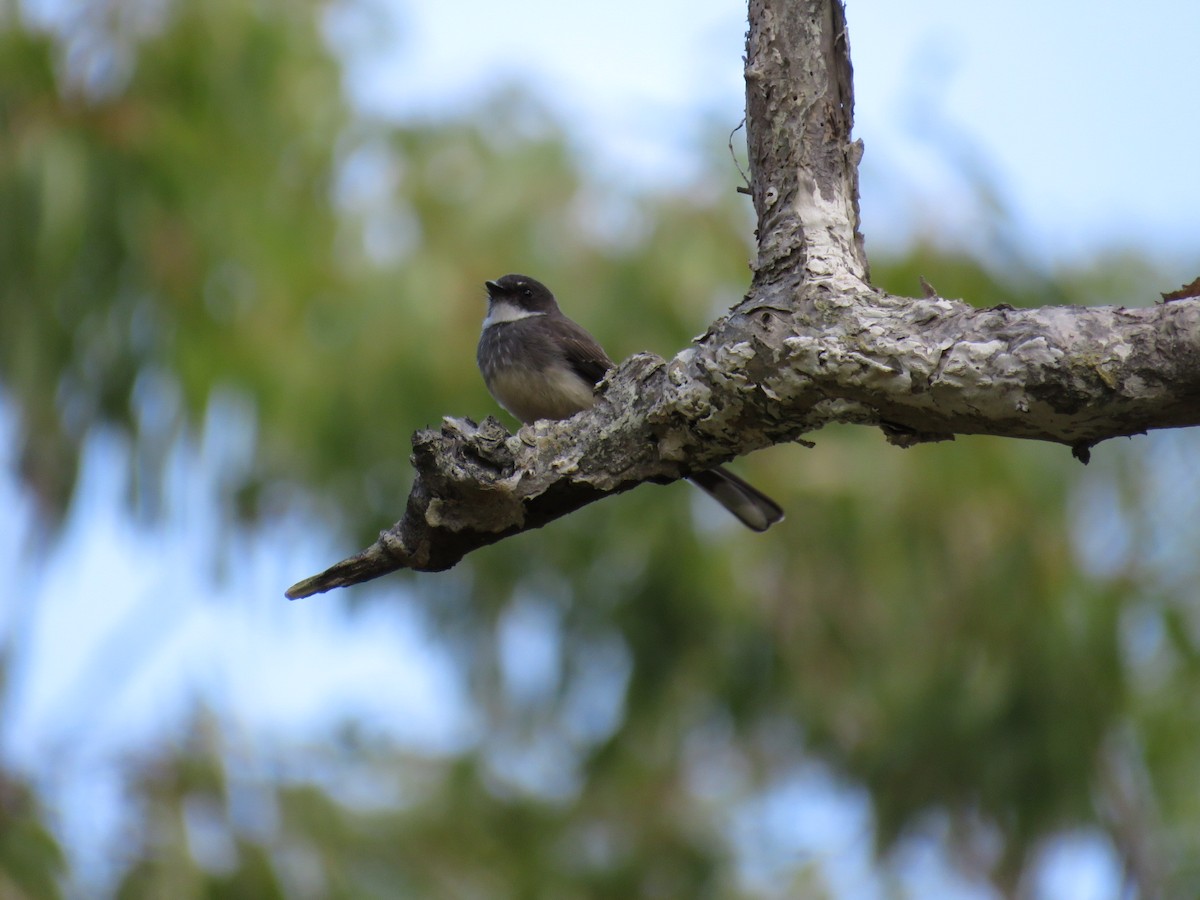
x=812 y=343
x=803 y=164
x=784 y=365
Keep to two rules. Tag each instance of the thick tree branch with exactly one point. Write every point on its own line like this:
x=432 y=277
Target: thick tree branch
x=786 y=364
x=812 y=343
x=803 y=165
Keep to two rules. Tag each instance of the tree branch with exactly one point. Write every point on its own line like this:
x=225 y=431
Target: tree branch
x=803 y=165
x=812 y=343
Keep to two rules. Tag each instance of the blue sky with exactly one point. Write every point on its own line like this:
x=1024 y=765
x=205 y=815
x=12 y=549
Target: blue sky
x=1085 y=114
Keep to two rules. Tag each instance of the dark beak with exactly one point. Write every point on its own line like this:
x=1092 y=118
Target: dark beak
x=492 y=287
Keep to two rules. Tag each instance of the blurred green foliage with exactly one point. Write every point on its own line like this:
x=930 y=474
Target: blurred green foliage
x=31 y=862
x=213 y=217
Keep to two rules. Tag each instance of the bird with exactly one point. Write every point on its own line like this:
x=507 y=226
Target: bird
x=539 y=364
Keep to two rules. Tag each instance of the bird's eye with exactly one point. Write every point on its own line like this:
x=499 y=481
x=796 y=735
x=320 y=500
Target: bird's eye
x=527 y=292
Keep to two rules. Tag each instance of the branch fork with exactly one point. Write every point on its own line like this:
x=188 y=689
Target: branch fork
x=811 y=343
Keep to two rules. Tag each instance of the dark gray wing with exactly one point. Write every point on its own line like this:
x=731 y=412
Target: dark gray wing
x=583 y=353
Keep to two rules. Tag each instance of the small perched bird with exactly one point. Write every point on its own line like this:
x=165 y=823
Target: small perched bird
x=539 y=364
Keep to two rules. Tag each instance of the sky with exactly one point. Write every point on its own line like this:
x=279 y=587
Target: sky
x=1082 y=115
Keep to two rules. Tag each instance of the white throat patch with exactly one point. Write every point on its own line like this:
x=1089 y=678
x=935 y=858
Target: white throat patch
x=507 y=312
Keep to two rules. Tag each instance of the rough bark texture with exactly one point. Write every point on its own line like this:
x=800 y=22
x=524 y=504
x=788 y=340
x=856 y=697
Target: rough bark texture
x=811 y=343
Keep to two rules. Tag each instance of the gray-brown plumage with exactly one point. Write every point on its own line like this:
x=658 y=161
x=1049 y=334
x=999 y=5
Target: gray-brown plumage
x=539 y=364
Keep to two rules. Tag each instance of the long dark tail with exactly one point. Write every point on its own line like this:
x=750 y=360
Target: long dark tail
x=753 y=508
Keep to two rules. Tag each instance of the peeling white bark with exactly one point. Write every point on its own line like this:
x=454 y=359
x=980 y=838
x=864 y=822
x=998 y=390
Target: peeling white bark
x=812 y=343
